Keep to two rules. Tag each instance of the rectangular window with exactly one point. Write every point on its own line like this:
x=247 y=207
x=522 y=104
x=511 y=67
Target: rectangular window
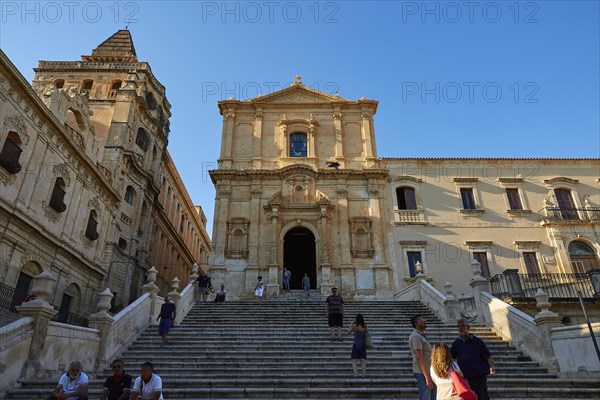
x=514 y=201
x=468 y=200
x=531 y=262
x=298 y=145
x=406 y=198
x=481 y=257
x=413 y=257
x=56 y=200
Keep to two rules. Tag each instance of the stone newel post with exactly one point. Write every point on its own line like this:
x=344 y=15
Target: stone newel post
x=102 y=321
x=452 y=304
x=193 y=277
x=152 y=289
x=175 y=296
x=41 y=312
x=479 y=285
x=545 y=320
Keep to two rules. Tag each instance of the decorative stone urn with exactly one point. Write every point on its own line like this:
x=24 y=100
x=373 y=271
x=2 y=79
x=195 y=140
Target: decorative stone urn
x=42 y=285
x=104 y=300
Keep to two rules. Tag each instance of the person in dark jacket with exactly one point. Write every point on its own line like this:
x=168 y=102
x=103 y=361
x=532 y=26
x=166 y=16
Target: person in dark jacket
x=204 y=284
x=474 y=359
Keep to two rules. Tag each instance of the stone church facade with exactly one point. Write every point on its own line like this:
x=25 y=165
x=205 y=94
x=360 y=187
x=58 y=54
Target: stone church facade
x=88 y=190
x=299 y=185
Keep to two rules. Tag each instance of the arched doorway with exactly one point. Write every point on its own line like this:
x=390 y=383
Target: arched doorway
x=583 y=257
x=299 y=256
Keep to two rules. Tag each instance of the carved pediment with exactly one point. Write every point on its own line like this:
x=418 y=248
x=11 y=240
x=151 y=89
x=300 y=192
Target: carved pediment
x=297 y=93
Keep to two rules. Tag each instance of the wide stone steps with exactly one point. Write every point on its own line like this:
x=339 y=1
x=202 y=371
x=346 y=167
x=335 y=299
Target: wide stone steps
x=281 y=350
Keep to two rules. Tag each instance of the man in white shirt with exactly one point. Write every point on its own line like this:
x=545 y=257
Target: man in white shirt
x=147 y=386
x=72 y=385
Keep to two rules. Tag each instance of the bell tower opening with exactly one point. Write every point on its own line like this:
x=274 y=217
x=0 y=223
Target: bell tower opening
x=300 y=256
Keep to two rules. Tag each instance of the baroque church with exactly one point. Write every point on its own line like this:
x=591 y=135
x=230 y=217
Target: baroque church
x=88 y=190
x=299 y=185
x=90 y=193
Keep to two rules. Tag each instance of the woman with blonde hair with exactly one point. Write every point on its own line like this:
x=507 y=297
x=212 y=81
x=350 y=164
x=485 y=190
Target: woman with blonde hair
x=441 y=366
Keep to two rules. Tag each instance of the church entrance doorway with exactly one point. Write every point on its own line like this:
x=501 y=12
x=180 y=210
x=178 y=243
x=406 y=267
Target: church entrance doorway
x=299 y=256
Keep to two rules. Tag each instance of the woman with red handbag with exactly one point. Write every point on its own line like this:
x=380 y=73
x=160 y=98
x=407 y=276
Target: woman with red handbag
x=447 y=376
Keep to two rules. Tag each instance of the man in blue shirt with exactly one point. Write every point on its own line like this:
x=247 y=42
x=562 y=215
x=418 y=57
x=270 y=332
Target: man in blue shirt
x=474 y=359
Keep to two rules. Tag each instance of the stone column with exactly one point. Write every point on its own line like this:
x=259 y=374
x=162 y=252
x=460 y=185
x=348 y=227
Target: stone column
x=367 y=135
x=152 y=289
x=227 y=138
x=255 y=212
x=324 y=261
x=102 y=321
x=273 y=262
x=339 y=144
x=545 y=321
x=257 y=139
x=479 y=285
x=41 y=312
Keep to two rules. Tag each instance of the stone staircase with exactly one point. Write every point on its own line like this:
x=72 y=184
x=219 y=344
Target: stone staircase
x=281 y=350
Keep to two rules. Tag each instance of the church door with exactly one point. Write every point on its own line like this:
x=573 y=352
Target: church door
x=299 y=256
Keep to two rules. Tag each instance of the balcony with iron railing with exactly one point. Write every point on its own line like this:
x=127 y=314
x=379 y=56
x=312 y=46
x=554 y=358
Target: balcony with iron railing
x=571 y=215
x=513 y=285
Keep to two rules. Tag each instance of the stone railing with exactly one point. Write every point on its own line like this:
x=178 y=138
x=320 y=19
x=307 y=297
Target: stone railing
x=541 y=336
x=446 y=307
x=127 y=325
x=15 y=341
x=34 y=347
x=570 y=340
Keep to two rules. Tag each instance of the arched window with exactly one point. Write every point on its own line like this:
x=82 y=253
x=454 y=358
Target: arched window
x=91 y=231
x=58 y=196
x=298 y=145
x=150 y=101
x=406 y=198
x=129 y=195
x=86 y=85
x=11 y=152
x=59 y=83
x=142 y=139
x=583 y=257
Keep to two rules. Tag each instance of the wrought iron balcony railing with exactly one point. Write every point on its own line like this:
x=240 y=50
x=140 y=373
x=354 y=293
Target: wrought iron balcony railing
x=587 y=214
x=559 y=286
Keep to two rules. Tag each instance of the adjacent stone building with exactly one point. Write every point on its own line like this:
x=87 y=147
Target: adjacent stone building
x=88 y=189
x=299 y=185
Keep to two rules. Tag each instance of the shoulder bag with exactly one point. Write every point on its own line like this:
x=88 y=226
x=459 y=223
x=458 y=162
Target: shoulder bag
x=368 y=340
x=461 y=386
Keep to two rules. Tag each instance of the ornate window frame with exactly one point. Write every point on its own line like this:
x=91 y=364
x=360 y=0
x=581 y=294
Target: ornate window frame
x=408 y=217
x=306 y=126
x=469 y=183
x=515 y=183
x=530 y=246
x=482 y=246
x=416 y=246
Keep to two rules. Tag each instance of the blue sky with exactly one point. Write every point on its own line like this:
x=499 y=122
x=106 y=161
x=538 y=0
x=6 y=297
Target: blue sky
x=454 y=79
